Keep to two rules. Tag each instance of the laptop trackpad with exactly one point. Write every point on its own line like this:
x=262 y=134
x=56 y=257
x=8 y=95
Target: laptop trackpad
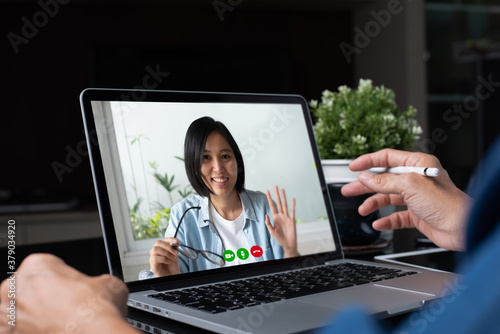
x=376 y=298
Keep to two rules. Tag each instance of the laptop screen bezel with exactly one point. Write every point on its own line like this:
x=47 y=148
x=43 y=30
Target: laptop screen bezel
x=108 y=229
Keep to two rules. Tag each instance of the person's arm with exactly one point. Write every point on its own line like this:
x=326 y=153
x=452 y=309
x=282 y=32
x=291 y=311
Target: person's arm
x=436 y=207
x=284 y=229
x=51 y=297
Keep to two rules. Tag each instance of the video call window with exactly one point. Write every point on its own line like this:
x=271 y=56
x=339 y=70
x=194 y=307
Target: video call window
x=142 y=148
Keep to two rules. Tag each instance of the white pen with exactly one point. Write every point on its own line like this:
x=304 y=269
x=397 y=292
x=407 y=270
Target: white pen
x=425 y=171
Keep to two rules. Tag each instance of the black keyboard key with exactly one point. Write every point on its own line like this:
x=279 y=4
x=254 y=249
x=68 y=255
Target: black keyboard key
x=384 y=271
x=212 y=308
x=266 y=298
x=227 y=304
x=235 y=307
x=307 y=290
x=243 y=300
x=168 y=297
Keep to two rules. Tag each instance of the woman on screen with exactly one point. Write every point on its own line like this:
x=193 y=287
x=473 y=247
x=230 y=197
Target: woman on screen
x=225 y=224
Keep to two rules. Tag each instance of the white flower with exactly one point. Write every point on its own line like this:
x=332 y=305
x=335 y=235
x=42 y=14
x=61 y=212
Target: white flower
x=397 y=138
x=326 y=93
x=417 y=130
x=352 y=108
x=359 y=139
x=343 y=124
x=364 y=85
x=344 y=89
x=339 y=149
x=389 y=118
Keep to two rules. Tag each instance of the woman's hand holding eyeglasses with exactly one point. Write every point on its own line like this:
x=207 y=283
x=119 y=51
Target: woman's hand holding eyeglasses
x=284 y=230
x=164 y=258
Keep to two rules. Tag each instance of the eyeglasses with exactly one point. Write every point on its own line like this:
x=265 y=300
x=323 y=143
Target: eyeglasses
x=191 y=252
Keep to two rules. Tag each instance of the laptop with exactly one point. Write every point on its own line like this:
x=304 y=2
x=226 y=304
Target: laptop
x=136 y=140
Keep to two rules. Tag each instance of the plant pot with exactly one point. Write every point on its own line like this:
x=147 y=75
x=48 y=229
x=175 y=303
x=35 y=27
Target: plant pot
x=337 y=171
x=354 y=229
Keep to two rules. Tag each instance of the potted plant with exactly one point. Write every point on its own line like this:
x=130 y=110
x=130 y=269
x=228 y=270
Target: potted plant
x=349 y=123
x=352 y=122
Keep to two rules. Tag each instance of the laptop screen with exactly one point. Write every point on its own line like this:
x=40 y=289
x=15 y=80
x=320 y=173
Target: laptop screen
x=139 y=164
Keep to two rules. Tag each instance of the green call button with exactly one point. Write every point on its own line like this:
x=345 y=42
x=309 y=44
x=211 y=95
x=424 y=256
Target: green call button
x=229 y=255
x=243 y=253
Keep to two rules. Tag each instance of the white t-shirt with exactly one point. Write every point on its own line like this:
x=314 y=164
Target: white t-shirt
x=233 y=238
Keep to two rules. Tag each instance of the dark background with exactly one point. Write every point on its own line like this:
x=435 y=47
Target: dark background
x=272 y=46
x=111 y=44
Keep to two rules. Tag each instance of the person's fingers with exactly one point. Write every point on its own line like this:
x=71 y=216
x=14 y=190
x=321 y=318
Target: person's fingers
x=285 y=204
x=381 y=183
x=164 y=256
x=170 y=240
x=278 y=199
x=392 y=158
x=42 y=262
x=271 y=203
x=355 y=188
x=165 y=245
x=395 y=221
x=269 y=226
x=162 y=259
x=163 y=252
x=378 y=201
x=48 y=265
x=293 y=210
x=387 y=183
x=371 y=205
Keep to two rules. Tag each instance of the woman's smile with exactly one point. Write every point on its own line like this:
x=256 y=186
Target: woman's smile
x=221 y=181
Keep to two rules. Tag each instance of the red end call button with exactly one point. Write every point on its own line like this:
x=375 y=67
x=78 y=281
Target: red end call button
x=256 y=251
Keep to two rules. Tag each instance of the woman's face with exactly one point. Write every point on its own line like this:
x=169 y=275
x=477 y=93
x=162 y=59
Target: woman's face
x=219 y=169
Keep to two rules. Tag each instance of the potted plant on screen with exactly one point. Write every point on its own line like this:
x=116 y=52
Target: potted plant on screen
x=352 y=122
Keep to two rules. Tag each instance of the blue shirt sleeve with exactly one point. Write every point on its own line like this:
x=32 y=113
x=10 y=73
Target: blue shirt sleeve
x=175 y=215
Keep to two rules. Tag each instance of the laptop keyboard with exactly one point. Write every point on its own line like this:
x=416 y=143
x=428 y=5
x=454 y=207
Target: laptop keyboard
x=234 y=295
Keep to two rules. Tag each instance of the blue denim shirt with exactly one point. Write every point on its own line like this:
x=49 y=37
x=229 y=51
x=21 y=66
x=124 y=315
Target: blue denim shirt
x=198 y=230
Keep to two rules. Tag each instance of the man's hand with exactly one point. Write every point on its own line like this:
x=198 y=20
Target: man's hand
x=436 y=207
x=51 y=297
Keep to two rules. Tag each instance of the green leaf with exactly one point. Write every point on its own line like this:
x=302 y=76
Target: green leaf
x=368 y=111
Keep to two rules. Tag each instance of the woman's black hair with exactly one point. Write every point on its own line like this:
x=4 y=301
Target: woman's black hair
x=194 y=149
